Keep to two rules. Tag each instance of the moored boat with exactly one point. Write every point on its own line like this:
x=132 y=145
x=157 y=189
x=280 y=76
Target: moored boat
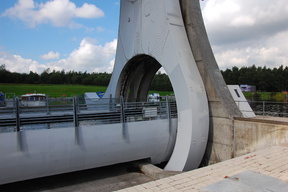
x=33 y=99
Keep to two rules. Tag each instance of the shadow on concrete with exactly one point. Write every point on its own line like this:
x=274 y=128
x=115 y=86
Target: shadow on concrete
x=106 y=179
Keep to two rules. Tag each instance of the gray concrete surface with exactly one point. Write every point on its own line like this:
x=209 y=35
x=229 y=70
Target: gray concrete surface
x=103 y=179
x=272 y=162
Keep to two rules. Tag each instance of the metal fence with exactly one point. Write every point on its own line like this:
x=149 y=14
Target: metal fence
x=75 y=112
x=267 y=108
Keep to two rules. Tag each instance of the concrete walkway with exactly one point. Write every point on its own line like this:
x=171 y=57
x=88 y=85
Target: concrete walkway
x=272 y=161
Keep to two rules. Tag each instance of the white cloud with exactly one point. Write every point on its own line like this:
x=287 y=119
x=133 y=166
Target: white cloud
x=57 y=12
x=16 y=63
x=88 y=11
x=229 y=21
x=245 y=32
x=51 y=55
x=89 y=57
x=270 y=53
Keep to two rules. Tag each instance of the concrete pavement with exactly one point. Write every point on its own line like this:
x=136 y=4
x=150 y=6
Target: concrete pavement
x=272 y=161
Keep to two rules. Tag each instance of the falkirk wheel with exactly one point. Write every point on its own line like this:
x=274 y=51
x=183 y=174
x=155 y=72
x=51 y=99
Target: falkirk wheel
x=171 y=35
x=152 y=34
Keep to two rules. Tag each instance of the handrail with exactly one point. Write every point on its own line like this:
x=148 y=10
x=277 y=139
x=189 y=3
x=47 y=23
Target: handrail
x=267 y=108
x=79 y=112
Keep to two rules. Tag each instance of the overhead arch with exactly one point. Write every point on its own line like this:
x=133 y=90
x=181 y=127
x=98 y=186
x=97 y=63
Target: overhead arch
x=136 y=77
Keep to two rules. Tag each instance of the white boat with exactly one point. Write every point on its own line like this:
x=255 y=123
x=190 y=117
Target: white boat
x=33 y=99
x=154 y=97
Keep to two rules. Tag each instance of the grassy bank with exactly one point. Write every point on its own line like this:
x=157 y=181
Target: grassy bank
x=56 y=90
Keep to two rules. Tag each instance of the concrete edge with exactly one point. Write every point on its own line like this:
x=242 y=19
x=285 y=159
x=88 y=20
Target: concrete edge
x=261 y=120
x=153 y=171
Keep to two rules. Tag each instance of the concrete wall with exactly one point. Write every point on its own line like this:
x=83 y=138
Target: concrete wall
x=233 y=138
x=254 y=135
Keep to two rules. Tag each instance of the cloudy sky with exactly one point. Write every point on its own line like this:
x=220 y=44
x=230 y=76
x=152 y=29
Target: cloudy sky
x=81 y=35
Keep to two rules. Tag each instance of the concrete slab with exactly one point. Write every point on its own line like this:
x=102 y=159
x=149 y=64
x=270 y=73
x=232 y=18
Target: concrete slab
x=248 y=181
x=272 y=161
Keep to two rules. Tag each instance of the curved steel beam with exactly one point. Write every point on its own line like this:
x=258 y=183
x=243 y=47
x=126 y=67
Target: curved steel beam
x=156 y=30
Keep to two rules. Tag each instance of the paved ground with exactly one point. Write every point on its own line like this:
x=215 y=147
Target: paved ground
x=272 y=161
x=103 y=179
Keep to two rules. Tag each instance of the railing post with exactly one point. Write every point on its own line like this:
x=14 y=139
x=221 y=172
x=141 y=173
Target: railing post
x=263 y=108
x=75 y=119
x=110 y=103
x=14 y=105
x=168 y=107
x=122 y=110
x=47 y=104
x=17 y=110
x=75 y=112
x=77 y=104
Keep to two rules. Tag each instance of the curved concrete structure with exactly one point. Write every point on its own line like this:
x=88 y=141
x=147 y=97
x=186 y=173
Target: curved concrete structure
x=152 y=34
x=222 y=108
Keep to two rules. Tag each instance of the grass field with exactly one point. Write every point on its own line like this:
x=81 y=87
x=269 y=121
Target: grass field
x=266 y=96
x=75 y=90
x=50 y=90
x=55 y=90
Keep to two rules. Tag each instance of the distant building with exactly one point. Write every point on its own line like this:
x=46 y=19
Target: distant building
x=248 y=88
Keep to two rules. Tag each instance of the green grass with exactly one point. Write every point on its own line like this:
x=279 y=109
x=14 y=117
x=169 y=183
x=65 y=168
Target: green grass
x=50 y=90
x=265 y=96
x=162 y=93
x=56 y=90
x=75 y=90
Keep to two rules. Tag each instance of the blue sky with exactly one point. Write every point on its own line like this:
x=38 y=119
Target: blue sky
x=18 y=37
x=81 y=35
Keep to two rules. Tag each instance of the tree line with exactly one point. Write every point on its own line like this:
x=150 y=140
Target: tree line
x=265 y=79
x=160 y=82
x=54 y=77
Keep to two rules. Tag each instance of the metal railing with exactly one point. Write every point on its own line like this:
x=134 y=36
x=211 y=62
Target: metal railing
x=76 y=112
x=267 y=108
